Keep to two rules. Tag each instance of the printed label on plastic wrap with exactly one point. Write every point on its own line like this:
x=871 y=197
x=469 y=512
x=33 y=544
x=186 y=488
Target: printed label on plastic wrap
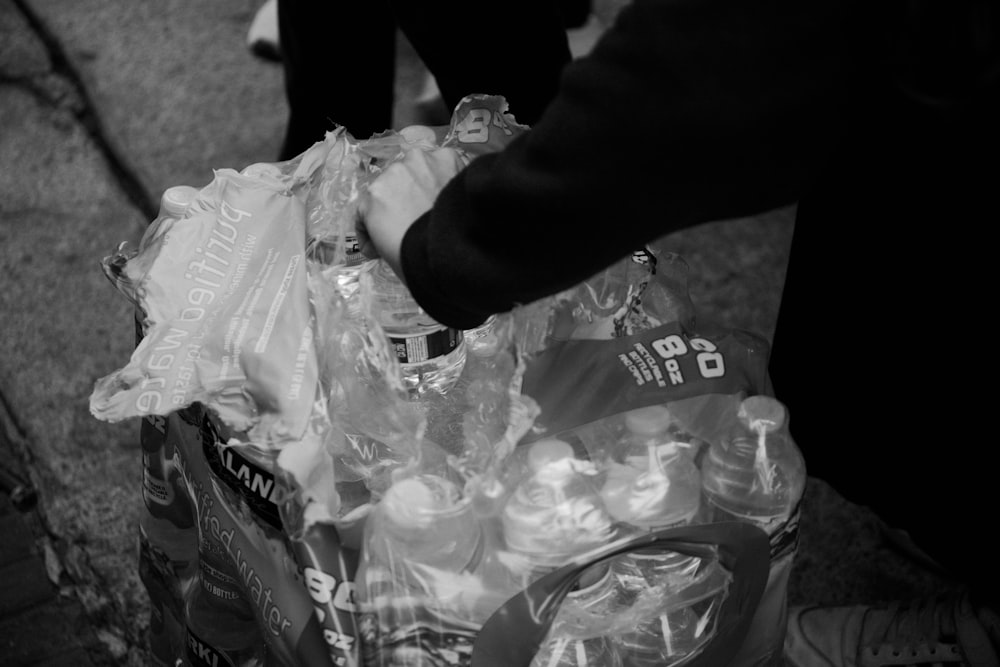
x=201 y=654
x=254 y=484
x=267 y=571
x=226 y=307
x=649 y=368
x=329 y=568
x=163 y=491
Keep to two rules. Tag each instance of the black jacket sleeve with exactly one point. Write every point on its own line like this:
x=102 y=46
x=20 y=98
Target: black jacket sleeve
x=686 y=111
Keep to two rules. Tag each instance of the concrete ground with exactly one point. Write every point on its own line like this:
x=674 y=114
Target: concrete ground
x=103 y=105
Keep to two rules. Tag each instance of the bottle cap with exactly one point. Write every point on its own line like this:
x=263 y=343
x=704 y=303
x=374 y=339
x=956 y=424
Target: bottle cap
x=762 y=412
x=648 y=421
x=548 y=451
x=176 y=199
x=408 y=502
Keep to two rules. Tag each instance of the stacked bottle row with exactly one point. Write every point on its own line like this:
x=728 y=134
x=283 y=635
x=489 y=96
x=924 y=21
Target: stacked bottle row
x=556 y=501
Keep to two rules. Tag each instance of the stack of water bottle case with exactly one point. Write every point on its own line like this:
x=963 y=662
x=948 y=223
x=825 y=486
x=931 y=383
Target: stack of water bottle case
x=332 y=478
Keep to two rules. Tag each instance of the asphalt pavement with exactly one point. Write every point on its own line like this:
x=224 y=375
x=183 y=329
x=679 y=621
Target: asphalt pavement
x=103 y=105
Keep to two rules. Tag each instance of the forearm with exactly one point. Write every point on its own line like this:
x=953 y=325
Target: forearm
x=685 y=112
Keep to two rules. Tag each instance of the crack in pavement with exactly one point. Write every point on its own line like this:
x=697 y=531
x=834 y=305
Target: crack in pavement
x=86 y=114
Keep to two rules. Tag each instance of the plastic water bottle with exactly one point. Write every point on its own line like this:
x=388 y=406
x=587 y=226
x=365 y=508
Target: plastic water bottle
x=471 y=418
x=431 y=355
x=670 y=632
x=486 y=360
x=555 y=512
x=422 y=551
x=757 y=474
x=221 y=629
x=578 y=637
x=425 y=531
x=485 y=402
x=653 y=484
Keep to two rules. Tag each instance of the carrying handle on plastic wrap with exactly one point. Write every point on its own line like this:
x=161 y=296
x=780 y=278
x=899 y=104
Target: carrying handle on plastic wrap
x=513 y=634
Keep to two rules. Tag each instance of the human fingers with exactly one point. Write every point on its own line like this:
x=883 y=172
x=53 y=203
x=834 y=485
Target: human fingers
x=429 y=136
x=405 y=190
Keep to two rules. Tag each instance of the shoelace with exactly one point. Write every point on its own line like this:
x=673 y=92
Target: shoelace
x=906 y=630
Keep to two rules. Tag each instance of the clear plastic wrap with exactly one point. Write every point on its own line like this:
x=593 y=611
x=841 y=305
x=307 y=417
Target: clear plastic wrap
x=626 y=388
x=275 y=416
x=366 y=522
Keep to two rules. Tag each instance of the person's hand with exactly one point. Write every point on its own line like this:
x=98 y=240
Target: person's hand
x=404 y=191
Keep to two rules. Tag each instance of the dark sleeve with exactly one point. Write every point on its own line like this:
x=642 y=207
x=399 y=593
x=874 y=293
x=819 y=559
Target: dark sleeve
x=686 y=111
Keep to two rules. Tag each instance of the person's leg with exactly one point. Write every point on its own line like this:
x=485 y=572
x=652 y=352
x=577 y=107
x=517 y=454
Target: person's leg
x=339 y=59
x=874 y=352
x=517 y=50
x=880 y=355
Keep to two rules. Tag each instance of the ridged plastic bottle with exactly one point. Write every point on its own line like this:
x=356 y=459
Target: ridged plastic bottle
x=430 y=354
x=578 y=637
x=653 y=485
x=757 y=474
x=484 y=401
x=555 y=512
x=424 y=521
x=670 y=633
x=422 y=548
x=221 y=626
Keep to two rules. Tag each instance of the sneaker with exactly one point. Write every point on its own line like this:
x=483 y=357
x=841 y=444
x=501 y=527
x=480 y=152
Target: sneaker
x=262 y=38
x=937 y=631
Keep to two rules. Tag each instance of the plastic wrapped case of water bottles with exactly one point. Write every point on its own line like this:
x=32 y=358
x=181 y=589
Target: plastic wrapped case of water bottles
x=330 y=477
